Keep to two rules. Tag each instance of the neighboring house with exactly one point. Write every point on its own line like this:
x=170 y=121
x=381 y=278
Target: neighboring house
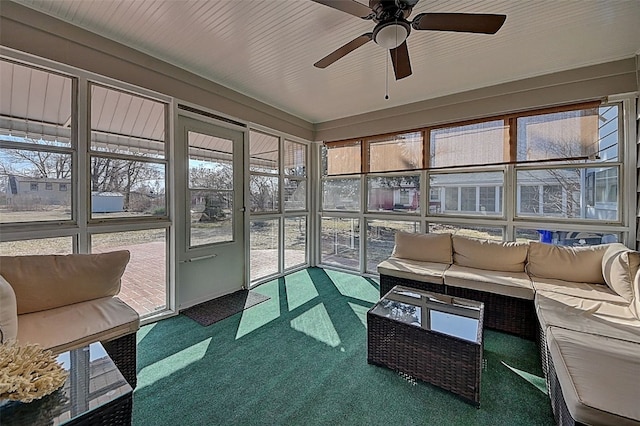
x=26 y=190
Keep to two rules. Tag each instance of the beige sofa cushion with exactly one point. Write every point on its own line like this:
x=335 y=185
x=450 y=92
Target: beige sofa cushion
x=8 y=312
x=597 y=292
x=428 y=272
x=513 y=284
x=46 y=282
x=76 y=325
x=489 y=255
x=579 y=264
x=598 y=377
x=434 y=248
x=587 y=316
x=619 y=268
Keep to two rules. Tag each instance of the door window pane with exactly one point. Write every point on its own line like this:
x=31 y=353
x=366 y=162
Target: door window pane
x=295 y=241
x=210 y=189
x=340 y=242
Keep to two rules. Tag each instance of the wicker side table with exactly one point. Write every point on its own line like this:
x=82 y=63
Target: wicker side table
x=429 y=336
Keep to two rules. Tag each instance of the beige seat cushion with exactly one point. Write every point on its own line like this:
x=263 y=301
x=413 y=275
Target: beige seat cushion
x=428 y=272
x=50 y=281
x=578 y=264
x=619 y=268
x=513 y=284
x=587 y=316
x=73 y=326
x=598 y=377
x=8 y=312
x=598 y=292
x=489 y=255
x=434 y=248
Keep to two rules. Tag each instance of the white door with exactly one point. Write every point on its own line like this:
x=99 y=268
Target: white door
x=210 y=228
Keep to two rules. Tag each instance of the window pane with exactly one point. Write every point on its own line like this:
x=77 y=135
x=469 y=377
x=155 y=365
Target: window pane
x=264 y=248
x=608 y=133
x=124 y=188
x=127 y=124
x=263 y=153
x=35 y=106
x=24 y=196
x=295 y=194
x=466 y=193
x=144 y=283
x=342 y=158
x=340 y=242
x=211 y=217
x=567 y=238
x=480 y=143
x=263 y=194
x=381 y=239
x=295 y=159
x=60 y=245
x=341 y=194
x=398 y=193
x=399 y=152
x=569 y=193
x=295 y=241
x=558 y=135
x=481 y=232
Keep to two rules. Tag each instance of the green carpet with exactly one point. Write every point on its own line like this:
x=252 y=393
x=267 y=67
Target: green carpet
x=300 y=359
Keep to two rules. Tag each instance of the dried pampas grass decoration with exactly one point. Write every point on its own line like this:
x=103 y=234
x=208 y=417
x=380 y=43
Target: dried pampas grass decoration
x=28 y=372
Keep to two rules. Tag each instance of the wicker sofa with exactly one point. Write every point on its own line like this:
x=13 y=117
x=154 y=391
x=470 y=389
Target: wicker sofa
x=65 y=302
x=582 y=305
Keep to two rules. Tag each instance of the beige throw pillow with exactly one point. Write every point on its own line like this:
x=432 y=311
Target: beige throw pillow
x=489 y=255
x=8 y=312
x=576 y=264
x=50 y=281
x=619 y=268
x=423 y=247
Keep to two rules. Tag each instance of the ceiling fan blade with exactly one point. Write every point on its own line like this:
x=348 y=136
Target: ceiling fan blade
x=400 y=61
x=460 y=22
x=351 y=7
x=344 y=50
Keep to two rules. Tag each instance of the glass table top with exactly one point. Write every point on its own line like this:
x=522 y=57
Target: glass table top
x=453 y=316
x=93 y=381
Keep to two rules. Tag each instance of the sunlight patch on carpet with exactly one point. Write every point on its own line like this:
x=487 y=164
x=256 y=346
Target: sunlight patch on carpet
x=538 y=382
x=143 y=331
x=354 y=286
x=300 y=289
x=317 y=324
x=263 y=313
x=172 y=364
x=360 y=311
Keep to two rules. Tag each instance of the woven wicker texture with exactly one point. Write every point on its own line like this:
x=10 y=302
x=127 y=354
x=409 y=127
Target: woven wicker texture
x=123 y=353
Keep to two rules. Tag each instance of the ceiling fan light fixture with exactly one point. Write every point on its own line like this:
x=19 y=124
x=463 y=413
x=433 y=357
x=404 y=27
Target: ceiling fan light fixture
x=391 y=34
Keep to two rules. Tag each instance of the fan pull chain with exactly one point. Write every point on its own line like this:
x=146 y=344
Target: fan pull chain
x=386 y=79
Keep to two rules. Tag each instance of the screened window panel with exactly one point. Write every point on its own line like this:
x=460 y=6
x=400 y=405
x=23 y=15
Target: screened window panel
x=295 y=194
x=341 y=194
x=264 y=152
x=124 y=123
x=381 y=239
x=482 y=232
x=559 y=135
x=398 y=152
x=343 y=159
x=482 y=198
x=264 y=247
x=263 y=194
x=566 y=238
x=473 y=144
x=394 y=193
x=340 y=242
x=58 y=245
x=295 y=241
x=295 y=159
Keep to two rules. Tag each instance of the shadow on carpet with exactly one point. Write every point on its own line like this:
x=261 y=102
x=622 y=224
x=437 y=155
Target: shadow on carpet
x=212 y=311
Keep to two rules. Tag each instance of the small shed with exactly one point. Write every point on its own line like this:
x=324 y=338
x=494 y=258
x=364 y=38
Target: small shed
x=107 y=202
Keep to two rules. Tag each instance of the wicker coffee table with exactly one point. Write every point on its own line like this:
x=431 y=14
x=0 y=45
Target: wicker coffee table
x=94 y=394
x=429 y=336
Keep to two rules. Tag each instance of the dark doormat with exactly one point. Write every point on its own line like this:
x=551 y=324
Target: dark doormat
x=212 y=311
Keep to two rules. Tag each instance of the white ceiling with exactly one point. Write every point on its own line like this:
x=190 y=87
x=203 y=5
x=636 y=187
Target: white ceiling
x=266 y=49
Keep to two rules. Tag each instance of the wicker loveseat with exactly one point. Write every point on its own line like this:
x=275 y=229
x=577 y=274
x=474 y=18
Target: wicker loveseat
x=65 y=302
x=582 y=305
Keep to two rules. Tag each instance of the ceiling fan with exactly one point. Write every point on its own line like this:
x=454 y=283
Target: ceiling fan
x=392 y=28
